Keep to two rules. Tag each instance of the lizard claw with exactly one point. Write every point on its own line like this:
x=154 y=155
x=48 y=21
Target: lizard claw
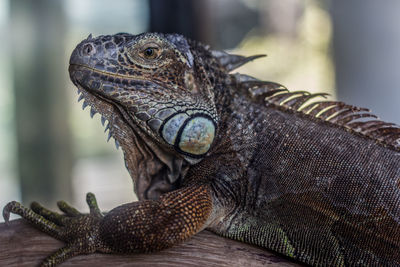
x=93 y=206
x=79 y=231
x=6 y=211
x=59 y=256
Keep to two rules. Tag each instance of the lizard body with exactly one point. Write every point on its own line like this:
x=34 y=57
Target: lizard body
x=247 y=159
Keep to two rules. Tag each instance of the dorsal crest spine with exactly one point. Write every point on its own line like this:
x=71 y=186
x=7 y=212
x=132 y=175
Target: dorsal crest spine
x=354 y=119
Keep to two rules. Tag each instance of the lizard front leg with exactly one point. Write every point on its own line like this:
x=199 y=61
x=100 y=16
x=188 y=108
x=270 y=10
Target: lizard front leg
x=154 y=225
x=134 y=227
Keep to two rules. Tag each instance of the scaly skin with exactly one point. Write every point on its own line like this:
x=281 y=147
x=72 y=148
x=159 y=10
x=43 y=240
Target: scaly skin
x=244 y=158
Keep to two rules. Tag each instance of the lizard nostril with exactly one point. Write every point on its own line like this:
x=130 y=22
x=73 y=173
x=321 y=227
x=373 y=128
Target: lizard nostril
x=87 y=49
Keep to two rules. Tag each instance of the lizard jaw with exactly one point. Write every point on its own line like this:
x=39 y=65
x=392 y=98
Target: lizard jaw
x=110 y=114
x=154 y=171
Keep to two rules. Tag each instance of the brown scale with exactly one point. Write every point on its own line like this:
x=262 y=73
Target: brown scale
x=335 y=113
x=178 y=214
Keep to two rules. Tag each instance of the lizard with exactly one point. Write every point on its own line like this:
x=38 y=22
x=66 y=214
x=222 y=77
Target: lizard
x=315 y=180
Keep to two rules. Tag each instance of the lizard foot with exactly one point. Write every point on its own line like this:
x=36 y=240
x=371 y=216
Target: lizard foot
x=79 y=231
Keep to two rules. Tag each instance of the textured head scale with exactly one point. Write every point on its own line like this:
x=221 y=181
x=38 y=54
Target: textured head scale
x=158 y=97
x=153 y=78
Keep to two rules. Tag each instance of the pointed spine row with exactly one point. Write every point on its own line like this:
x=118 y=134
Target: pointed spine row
x=354 y=119
x=103 y=119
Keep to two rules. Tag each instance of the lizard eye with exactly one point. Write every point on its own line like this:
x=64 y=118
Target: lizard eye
x=150 y=53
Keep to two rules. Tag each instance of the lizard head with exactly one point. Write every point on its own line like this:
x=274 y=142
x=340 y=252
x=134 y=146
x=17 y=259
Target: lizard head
x=156 y=94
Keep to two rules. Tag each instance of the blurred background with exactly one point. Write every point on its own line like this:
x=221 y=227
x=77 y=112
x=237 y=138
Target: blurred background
x=50 y=149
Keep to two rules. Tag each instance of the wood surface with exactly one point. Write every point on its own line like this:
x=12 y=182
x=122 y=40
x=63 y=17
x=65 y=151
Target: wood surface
x=22 y=245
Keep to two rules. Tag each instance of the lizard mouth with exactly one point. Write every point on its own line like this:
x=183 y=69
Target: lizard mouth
x=153 y=170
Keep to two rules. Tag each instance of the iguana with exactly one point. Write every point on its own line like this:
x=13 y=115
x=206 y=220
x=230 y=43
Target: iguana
x=317 y=181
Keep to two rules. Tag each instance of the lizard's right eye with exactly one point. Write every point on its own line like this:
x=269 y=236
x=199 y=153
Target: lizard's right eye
x=150 y=52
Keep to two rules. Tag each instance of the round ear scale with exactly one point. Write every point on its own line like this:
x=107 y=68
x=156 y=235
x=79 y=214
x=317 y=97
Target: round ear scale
x=190 y=135
x=169 y=131
x=196 y=135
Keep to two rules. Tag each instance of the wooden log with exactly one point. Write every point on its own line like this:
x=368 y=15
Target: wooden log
x=22 y=245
